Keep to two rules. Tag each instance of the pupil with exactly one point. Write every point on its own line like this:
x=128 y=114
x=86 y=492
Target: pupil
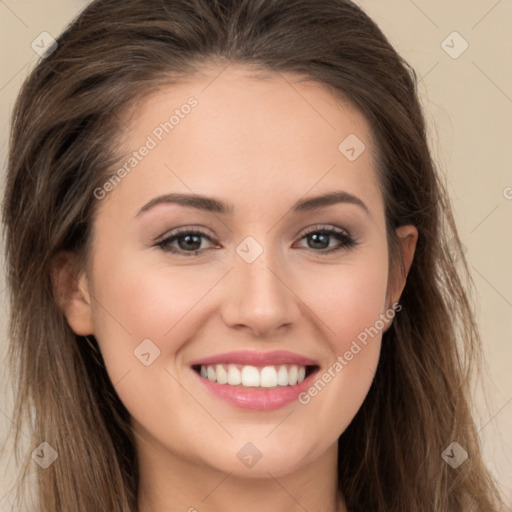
x=194 y=241
x=318 y=238
x=190 y=239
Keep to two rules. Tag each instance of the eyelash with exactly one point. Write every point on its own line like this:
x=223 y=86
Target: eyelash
x=347 y=242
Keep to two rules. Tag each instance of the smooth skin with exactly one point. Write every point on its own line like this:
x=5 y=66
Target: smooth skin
x=258 y=143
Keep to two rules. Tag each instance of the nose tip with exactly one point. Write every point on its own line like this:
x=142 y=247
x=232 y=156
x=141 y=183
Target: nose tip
x=258 y=298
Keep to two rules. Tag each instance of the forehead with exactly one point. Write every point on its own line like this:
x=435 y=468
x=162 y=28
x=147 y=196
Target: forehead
x=225 y=93
x=267 y=131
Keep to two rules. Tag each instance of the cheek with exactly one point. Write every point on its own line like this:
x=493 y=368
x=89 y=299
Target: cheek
x=351 y=307
x=349 y=299
x=136 y=301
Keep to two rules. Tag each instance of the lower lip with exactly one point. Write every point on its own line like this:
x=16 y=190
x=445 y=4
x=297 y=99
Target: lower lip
x=258 y=399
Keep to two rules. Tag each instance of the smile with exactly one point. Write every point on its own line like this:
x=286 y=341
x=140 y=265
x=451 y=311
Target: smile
x=254 y=376
x=259 y=381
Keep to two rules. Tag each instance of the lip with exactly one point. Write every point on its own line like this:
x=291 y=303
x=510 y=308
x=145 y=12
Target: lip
x=258 y=399
x=247 y=357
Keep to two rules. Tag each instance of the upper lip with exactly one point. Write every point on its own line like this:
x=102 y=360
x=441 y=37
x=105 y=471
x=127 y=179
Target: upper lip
x=247 y=357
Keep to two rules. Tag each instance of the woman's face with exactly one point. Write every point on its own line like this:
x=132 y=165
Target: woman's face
x=267 y=282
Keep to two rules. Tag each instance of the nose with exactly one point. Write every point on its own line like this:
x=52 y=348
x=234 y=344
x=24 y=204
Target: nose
x=259 y=297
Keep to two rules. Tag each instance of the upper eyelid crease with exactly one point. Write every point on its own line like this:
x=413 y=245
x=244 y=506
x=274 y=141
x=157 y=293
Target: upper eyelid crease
x=216 y=206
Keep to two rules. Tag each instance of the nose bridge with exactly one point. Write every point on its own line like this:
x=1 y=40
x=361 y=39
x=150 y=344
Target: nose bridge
x=258 y=296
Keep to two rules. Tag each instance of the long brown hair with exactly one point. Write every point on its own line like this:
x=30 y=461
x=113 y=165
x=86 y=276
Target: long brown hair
x=65 y=126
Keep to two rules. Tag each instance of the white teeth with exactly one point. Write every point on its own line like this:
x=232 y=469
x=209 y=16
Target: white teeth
x=293 y=375
x=234 y=375
x=282 y=376
x=268 y=377
x=210 y=372
x=252 y=376
x=222 y=375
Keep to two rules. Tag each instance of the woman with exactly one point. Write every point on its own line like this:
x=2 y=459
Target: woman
x=227 y=257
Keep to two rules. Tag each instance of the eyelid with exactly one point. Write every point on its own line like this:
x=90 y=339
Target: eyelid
x=324 y=227
x=347 y=240
x=301 y=234
x=181 y=230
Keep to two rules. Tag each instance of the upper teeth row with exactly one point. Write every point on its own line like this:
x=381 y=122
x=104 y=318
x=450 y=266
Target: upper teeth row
x=252 y=376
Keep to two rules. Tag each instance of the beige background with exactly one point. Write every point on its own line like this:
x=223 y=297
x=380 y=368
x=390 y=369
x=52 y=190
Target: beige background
x=468 y=104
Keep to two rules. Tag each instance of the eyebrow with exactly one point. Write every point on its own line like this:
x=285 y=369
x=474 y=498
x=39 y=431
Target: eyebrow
x=211 y=204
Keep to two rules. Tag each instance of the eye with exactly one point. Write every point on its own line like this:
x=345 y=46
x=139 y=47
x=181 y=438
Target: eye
x=188 y=241
x=319 y=237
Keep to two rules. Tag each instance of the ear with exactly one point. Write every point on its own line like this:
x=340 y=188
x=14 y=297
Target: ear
x=71 y=291
x=408 y=237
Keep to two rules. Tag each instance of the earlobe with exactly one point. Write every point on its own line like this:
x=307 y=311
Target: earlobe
x=71 y=291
